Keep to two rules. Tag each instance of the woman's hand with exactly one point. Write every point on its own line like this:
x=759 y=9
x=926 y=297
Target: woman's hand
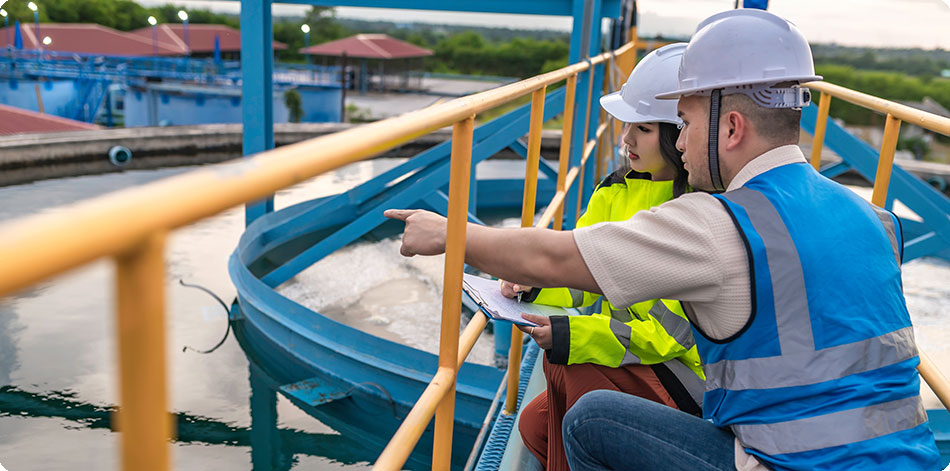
x=511 y=290
x=540 y=333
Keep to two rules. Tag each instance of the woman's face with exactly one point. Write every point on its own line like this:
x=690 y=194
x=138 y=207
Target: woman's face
x=642 y=142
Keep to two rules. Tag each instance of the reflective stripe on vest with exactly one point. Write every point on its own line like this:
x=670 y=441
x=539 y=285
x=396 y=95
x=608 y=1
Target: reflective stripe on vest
x=823 y=365
x=788 y=282
x=676 y=326
x=835 y=429
x=577 y=296
x=622 y=333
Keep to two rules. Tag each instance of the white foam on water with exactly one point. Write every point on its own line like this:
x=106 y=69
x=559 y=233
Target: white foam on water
x=369 y=285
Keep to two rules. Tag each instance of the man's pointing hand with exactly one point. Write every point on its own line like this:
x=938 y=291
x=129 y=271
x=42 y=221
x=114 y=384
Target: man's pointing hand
x=424 y=233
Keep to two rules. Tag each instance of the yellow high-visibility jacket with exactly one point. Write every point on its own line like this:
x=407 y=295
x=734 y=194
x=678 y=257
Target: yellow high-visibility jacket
x=649 y=332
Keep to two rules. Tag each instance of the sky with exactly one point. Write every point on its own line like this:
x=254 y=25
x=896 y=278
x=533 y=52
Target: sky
x=875 y=23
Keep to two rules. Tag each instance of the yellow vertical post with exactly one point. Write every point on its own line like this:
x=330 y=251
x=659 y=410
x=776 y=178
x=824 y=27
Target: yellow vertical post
x=580 y=177
x=599 y=169
x=824 y=104
x=892 y=129
x=590 y=93
x=142 y=418
x=565 y=152
x=534 y=155
x=580 y=194
x=452 y=285
x=527 y=220
x=601 y=144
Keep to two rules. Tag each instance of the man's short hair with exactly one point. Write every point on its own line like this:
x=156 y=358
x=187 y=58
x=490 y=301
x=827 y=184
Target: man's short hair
x=778 y=126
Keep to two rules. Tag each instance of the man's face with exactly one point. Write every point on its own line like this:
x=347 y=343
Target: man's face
x=693 y=141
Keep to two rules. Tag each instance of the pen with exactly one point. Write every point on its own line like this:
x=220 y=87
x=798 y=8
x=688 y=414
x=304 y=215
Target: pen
x=519 y=296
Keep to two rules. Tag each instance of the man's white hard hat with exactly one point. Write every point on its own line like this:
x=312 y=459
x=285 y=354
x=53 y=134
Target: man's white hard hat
x=744 y=51
x=636 y=101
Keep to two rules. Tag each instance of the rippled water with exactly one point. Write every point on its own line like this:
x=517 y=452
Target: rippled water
x=57 y=352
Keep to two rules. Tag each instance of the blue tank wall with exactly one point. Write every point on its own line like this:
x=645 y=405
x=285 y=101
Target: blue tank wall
x=156 y=106
x=60 y=97
x=153 y=107
x=320 y=104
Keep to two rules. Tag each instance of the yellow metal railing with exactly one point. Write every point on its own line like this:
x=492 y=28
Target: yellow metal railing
x=895 y=113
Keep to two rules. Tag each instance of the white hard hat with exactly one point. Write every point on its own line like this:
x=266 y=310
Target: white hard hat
x=635 y=102
x=746 y=51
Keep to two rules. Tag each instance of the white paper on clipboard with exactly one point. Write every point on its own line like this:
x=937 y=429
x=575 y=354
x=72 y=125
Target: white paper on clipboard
x=487 y=294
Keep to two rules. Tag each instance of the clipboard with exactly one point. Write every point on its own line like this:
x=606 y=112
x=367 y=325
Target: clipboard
x=487 y=295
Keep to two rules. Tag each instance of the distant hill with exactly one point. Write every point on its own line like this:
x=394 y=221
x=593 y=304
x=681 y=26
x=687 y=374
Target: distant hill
x=916 y=62
x=437 y=31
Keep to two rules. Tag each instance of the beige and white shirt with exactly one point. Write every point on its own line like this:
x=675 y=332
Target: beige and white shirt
x=686 y=249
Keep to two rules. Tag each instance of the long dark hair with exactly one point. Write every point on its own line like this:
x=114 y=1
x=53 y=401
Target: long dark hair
x=669 y=133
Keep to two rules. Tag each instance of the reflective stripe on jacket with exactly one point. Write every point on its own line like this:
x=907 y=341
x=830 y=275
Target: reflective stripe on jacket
x=823 y=375
x=649 y=332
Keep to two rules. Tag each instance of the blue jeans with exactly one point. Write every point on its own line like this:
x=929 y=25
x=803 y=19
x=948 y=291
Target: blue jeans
x=613 y=430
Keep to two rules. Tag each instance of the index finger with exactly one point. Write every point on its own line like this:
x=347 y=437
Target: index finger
x=400 y=214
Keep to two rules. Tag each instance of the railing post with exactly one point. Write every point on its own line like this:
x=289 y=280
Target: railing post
x=604 y=117
x=590 y=94
x=452 y=287
x=824 y=104
x=564 y=159
x=583 y=162
x=143 y=420
x=599 y=170
x=892 y=129
x=527 y=220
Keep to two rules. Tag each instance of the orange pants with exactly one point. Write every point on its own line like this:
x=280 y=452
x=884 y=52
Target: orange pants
x=540 y=423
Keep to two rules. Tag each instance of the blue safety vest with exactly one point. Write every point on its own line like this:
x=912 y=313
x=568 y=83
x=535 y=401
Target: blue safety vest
x=823 y=375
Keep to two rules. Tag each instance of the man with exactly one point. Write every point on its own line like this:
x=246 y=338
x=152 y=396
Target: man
x=792 y=283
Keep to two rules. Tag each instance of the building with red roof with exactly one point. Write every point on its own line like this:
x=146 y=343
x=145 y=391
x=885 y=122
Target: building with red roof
x=89 y=38
x=368 y=46
x=375 y=52
x=200 y=37
x=15 y=120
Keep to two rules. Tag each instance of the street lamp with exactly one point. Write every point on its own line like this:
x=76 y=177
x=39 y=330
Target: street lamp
x=306 y=37
x=6 y=25
x=36 y=16
x=184 y=18
x=152 y=21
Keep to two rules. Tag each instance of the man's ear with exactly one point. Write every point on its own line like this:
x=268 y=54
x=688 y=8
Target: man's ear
x=733 y=130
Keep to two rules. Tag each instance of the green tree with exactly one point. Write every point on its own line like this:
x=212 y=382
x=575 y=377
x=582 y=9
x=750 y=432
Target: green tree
x=294 y=103
x=323 y=27
x=893 y=86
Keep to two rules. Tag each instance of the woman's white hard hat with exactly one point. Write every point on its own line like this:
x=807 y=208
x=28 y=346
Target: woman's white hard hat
x=743 y=51
x=636 y=101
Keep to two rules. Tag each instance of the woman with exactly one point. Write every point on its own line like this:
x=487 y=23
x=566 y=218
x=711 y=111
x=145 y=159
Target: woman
x=646 y=349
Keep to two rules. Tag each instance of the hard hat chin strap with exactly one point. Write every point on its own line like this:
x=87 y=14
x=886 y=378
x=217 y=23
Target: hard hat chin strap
x=715 y=101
